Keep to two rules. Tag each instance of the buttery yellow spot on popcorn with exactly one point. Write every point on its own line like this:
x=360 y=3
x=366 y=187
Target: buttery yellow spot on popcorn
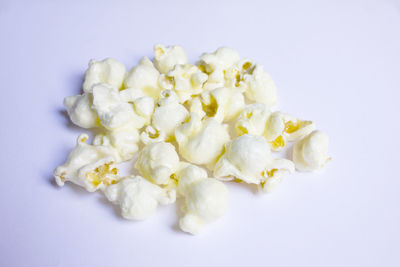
x=102 y=174
x=236 y=180
x=185 y=75
x=291 y=127
x=174 y=178
x=246 y=65
x=242 y=130
x=271 y=172
x=154 y=135
x=277 y=143
x=210 y=109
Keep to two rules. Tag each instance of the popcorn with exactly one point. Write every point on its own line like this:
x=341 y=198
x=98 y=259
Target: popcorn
x=172 y=102
x=186 y=80
x=137 y=197
x=124 y=139
x=201 y=142
x=205 y=199
x=168 y=114
x=166 y=58
x=108 y=71
x=79 y=108
x=215 y=63
x=282 y=127
x=157 y=162
x=252 y=120
x=112 y=111
x=260 y=87
x=144 y=77
x=222 y=104
x=310 y=153
x=92 y=167
x=248 y=158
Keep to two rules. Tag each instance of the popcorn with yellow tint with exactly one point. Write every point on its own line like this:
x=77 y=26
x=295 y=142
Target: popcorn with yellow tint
x=157 y=162
x=214 y=64
x=235 y=74
x=223 y=104
x=186 y=80
x=252 y=120
x=109 y=71
x=201 y=141
x=92 y=167
x=166 y=58
x=112 y=111
x=151 y=135
x=259 y=86
x=124 y=139
x=137 y=197
x=248 y=158
x=205 y=199
x=79 y=109
x=311 y=152
x=143 y=105
x=168 y=114
x=144 y=77
x=282 y=128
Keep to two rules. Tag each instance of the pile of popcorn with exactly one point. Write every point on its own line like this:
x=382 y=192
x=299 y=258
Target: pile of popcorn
x=186 y=128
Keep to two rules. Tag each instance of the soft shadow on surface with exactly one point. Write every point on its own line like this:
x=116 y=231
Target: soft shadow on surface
x=66 y=120
x=112 y=208
x=75 y=82
x=179 y=204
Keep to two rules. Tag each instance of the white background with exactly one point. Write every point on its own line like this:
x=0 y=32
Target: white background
x=336 y=62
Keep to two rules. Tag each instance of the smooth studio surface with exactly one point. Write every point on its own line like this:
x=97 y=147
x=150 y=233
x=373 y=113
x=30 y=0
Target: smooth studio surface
x=336 y=63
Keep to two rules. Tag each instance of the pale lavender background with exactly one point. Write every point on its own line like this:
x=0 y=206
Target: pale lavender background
x=335 y=62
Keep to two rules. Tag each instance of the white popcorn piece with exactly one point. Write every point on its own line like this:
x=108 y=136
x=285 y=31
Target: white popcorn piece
x=166 y=58
x=112 y=111
x=158 y=162
x=89 y=166
x=186 y=80
x=144 y=77
x=124 y=139
x=151 y=135
x=143 y=104
x=234 y=75
x=281 y=128
x=215 y=63
x=201 y=141
x=248 y=158
x=252 y=120
x=137 y=197
x=223 y=104
x=205 y=199
x=109 y=71
x=168 y=114
x=79 y=108
x=259 y=86
x=311 y=152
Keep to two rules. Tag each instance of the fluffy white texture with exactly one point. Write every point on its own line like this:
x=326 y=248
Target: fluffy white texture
x=143 y=104
x=249 y=158
x=144 y=77
x=201 y=141
x=157 y=162
x=79 y=108
x=215 y=63
x=166 y=58
x=112 y=111
x=168 y=114
x=124 y=139
x=137 y=197
x=311 y=152
x=260 y=87
x=187 y=81
x=223 y=104
x=252 y=120
x=205 y=199
x=108 y=71
x=89 y=166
